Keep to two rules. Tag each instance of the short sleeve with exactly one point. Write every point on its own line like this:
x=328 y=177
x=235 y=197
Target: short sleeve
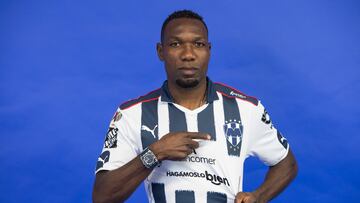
x=266 y=142
x=118 y=147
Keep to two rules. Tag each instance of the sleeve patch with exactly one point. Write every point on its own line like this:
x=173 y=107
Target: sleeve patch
x=117 y=116
x=266 y=118
x=111 y=138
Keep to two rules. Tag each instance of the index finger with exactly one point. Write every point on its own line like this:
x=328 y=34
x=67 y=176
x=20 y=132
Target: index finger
x=198 y=135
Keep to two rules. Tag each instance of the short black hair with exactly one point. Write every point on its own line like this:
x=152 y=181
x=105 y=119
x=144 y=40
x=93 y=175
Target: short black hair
x=182 y=14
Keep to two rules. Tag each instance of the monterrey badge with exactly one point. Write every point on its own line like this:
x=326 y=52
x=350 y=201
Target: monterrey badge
x=233 y=130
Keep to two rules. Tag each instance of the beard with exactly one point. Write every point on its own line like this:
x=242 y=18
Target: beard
x=187 y=83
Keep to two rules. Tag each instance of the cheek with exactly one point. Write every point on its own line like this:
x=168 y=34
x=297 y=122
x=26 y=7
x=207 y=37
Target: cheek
x=204 y=57
x=170 y=63
x=170 y=56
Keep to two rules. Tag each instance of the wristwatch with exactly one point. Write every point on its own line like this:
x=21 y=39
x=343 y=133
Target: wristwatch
x=149 y=159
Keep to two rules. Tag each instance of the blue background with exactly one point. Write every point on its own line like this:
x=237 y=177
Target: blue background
x=66 y=65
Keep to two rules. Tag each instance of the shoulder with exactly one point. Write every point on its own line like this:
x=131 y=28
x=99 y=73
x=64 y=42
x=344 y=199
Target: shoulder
x=231 y=92
x=151 y=96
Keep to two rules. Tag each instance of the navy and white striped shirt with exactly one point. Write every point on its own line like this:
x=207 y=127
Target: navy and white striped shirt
x=239 y=127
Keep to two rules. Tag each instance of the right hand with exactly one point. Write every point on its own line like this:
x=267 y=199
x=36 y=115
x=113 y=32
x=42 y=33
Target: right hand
x=177 y=146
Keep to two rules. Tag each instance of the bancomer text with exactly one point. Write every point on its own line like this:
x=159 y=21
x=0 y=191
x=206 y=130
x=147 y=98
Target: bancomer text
x=199 y=159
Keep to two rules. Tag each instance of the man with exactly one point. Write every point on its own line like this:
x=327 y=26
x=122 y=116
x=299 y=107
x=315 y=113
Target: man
x=188 y=140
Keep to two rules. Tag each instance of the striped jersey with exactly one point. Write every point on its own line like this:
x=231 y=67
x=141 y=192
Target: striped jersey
x=239 y=127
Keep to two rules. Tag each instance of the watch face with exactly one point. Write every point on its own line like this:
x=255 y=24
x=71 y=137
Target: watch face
x=149 y=158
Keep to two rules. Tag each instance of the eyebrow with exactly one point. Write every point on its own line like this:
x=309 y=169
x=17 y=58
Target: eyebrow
x=179 y=39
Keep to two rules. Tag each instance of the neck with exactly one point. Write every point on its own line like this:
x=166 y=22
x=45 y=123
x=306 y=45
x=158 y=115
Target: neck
x=190 y=98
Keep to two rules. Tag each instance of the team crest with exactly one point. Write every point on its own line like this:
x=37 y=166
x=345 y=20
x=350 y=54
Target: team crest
x=233 y=130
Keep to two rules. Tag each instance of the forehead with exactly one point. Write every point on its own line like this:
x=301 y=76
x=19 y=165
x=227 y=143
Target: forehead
x=185 y=26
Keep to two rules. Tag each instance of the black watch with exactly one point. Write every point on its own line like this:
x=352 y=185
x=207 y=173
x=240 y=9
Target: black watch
x=149 y=159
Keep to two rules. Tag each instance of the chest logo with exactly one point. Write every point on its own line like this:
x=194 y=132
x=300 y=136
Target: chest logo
x=152 y=131
x=233 y=130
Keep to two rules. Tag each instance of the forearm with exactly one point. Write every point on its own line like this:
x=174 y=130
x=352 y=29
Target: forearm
x=117 y=185
x=277 y=178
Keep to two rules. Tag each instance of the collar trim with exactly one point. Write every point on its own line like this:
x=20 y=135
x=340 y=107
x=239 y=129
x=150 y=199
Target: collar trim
x=211 y=94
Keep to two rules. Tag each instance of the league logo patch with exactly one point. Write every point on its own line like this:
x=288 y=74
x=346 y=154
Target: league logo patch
x=233 y=131
x=117 y=116
x=111 y=138
x=266 y=118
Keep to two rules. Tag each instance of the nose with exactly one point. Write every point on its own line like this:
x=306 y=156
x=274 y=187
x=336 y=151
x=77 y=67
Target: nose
x=188 y=53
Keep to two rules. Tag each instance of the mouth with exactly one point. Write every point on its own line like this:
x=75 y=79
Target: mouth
x=188 y=71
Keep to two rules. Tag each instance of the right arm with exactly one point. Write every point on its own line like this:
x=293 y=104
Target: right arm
x=117 y=185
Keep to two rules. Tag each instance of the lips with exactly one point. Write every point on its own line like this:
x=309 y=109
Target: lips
x=188 y=70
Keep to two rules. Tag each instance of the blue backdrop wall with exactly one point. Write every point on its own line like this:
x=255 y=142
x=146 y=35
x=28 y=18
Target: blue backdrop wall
x=66 y=65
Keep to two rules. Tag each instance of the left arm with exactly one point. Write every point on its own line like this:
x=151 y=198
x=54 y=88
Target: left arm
x=277 y=178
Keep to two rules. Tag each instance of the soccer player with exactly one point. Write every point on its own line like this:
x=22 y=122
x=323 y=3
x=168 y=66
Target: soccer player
x=188 y=140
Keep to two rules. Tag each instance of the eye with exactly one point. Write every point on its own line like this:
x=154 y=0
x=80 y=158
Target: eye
x=200 y=44
x=174 y=44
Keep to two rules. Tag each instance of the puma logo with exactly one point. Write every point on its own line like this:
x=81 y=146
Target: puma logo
x=282 y=140
x=104 y=157
x=144 y=127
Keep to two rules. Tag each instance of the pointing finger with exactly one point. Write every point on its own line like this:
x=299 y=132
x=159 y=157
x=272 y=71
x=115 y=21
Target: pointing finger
x=198 y=135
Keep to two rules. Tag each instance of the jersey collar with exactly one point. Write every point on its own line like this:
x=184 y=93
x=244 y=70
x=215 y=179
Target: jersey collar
x=210 y=97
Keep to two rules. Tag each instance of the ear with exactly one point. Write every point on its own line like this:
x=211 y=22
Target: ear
x=159 y=50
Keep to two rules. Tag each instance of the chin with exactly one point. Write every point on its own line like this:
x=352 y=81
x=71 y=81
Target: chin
x=187 y=83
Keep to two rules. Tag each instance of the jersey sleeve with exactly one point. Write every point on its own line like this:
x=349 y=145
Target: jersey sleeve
x=119 y=148
x=266 y=142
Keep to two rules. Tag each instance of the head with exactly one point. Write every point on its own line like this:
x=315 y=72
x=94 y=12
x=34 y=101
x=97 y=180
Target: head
x=184 y=49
